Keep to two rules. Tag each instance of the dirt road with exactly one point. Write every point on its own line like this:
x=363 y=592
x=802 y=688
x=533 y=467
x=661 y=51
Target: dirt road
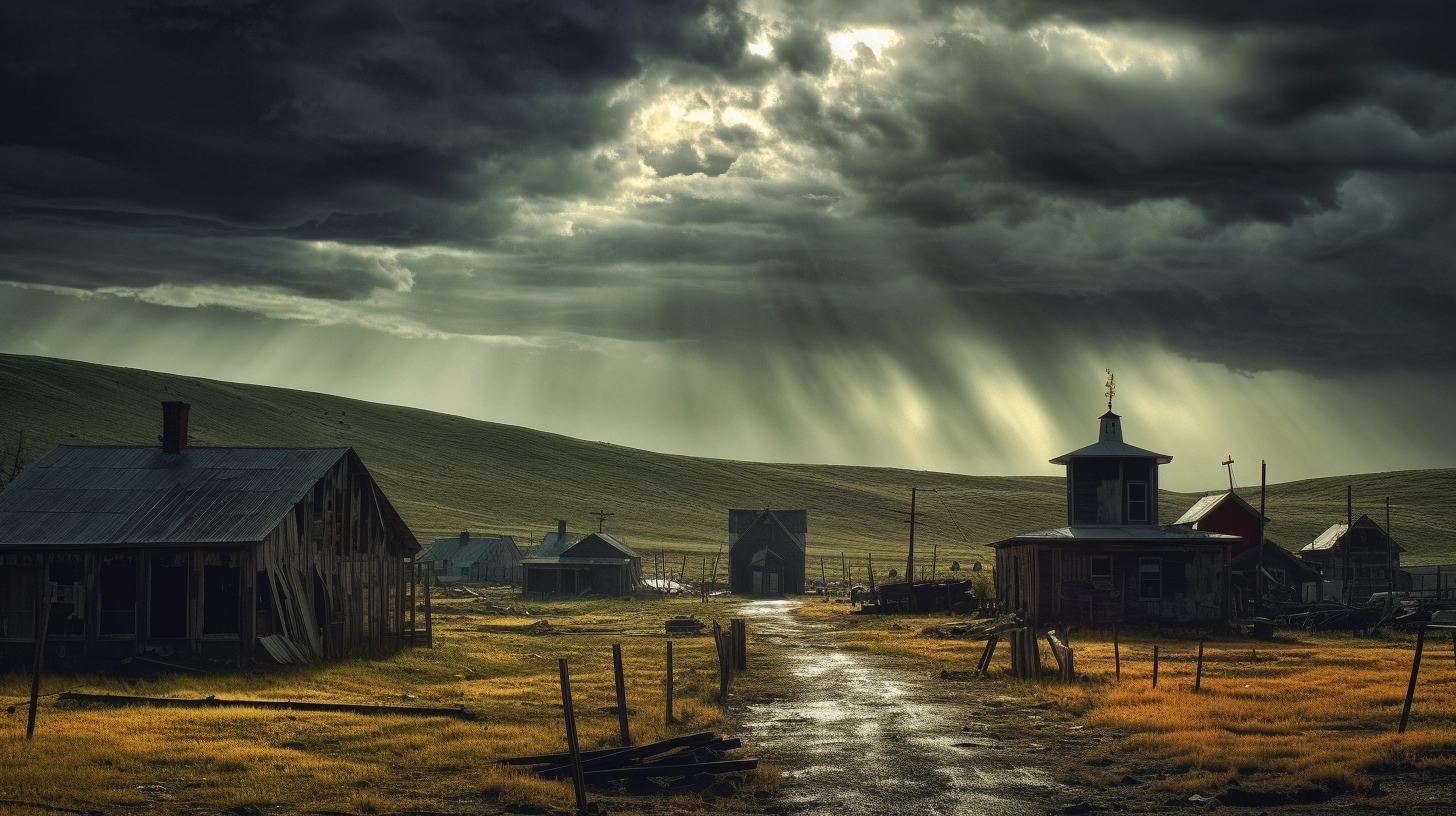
x=858 y=734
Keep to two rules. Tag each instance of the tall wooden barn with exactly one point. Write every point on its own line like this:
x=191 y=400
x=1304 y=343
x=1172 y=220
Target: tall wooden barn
x=767 y=550
x=473 y=558
x=1113 y=561
x=1355 y=565
x=178 y=553
x=598 y=563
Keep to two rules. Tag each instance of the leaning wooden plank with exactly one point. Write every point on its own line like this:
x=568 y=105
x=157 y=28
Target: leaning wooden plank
x=650 y=749
x=726 y=766
x=290 y=705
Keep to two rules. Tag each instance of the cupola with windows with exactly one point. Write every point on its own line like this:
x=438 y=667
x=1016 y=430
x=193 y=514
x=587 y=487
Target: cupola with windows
x=1110 y=481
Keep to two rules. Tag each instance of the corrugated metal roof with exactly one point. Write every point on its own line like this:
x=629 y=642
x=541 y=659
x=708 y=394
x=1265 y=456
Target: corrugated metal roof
x=555 y=544
x=1328 y=538
x=575 y=562
x=96 y=496
x=1110 y=532
x=1200 y=509
x=476 y=549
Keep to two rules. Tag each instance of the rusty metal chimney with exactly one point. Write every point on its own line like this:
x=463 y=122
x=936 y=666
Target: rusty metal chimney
x=560 y=529
x=174 y=426
x=464 y=536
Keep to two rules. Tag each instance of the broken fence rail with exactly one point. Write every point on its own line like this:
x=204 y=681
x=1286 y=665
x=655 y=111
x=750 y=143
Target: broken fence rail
x=290 y=705
x=687 y=755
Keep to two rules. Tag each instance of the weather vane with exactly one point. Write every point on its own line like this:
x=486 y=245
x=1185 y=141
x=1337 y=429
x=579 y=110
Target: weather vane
x=1111 y=388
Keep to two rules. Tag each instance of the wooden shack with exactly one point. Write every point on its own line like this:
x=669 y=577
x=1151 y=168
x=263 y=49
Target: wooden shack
x=1355 y=565
x=598 y=564
x=767 y=550
x=473 y=558
x=1113 y=562
x=178 y=553
x=1260 y=576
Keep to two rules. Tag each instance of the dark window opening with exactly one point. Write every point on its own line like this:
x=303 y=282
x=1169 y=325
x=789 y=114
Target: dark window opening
x=17 y=600
x=1102 y=571
x=1150 y=579
x=168 y=600
x=116 y=584
x=67 y=577
x=1137 y=501
x=220 y=599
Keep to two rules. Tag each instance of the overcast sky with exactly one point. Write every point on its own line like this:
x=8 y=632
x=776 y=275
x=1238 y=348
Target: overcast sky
x=909 y=234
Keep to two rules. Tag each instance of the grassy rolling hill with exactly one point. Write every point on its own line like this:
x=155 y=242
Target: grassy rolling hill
x=447 y=473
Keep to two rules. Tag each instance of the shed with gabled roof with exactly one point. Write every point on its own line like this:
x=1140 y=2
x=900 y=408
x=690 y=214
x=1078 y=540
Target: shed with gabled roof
x=767 y=551
x=184 y=553
x=599 y=563
x=473 y=558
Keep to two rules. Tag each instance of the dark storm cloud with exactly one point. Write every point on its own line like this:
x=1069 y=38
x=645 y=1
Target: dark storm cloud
x=339 y=114
x=1262 y=185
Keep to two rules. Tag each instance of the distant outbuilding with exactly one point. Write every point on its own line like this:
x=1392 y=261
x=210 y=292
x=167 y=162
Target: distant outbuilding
x=599 y=564
x=474 y=558
x=1355 y=565
x=767 y=551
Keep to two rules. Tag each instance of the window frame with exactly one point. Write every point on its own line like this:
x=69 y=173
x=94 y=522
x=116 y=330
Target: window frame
x=1144 y=581
x=1146 y=503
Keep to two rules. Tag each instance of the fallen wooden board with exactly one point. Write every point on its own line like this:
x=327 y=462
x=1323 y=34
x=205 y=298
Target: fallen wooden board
x=685 y=754
x=647 y=750
x=726 y=766
x=290 y=705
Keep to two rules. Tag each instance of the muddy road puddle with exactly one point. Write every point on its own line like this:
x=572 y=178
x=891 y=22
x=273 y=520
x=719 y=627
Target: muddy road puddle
x=858 y=733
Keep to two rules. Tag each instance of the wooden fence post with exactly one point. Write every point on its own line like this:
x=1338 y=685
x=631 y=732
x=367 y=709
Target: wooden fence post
x=724 y=662
x=739 y=628
x=578 y=778
x=1155 y=667
x=1116 y=654
x=42 y=629
x=1198 y=678
x=621 y=694
x=984 y=666
x=1410 y=691
x=670 y=718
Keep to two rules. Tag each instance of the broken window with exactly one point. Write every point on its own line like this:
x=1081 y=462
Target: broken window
x=1150 y=579
x=116 y=587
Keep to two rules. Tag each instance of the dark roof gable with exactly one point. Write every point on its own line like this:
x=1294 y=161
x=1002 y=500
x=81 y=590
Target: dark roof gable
x=111 y=495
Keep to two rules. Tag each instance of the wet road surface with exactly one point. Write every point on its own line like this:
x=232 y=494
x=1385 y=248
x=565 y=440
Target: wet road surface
x=857 y=734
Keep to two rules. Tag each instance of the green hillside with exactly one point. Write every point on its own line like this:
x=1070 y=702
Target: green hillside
x=447 y=474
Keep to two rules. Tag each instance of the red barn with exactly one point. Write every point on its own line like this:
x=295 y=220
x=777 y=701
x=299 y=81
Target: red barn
x=1227 y=513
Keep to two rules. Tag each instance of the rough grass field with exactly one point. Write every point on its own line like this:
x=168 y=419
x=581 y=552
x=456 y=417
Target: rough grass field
x=446 y=474
x=190 y=760
x=1302 y=711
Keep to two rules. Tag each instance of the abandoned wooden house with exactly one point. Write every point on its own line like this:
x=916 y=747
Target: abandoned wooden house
x=187 y=553
x=1355 y=566
x=477 y=559
x=1113 y=561
x=598 y=564
x=767 y=550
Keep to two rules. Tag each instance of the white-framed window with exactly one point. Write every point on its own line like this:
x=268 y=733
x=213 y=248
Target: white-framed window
x=1150 y=579
x=1137 y=501
x=1101 y=571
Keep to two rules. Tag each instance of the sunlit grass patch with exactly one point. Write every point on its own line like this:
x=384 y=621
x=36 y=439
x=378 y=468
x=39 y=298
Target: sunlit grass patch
x=183 y=760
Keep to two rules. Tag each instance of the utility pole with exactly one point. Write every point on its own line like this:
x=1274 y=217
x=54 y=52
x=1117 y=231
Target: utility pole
x=1347 y=573
x=1259 y=561
x=910 y=559
x=601 y=517
x=1390 y=556
x=1230 y=465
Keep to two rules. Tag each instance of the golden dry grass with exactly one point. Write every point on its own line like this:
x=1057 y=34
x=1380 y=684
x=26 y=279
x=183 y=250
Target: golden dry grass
x=1306 y=709
x=182 y=760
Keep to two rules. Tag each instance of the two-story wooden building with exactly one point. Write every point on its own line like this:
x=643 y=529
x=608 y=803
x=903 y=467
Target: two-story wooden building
x=1112 y=561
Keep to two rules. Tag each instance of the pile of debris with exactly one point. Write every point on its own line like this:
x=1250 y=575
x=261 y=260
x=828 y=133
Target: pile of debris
x=979 y=629
x=680 y=762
